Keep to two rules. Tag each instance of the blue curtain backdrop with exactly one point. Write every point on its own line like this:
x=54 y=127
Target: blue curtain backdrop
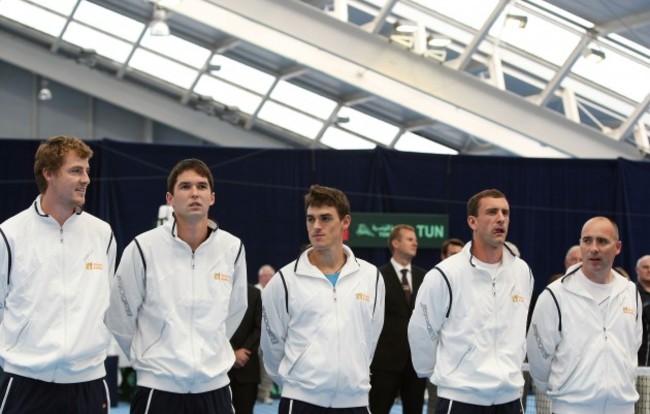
x=259 y=194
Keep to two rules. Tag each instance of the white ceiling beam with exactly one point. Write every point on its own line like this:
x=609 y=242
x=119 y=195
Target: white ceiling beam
x=135 y=98
x=307 y=36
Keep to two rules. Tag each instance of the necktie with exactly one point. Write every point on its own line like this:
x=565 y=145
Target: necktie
x=405 y=285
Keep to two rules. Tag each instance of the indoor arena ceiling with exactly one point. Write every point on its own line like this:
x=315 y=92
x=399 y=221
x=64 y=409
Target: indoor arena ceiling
x=415 y=75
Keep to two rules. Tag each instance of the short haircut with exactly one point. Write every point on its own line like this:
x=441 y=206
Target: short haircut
x=51 y=153
x=450 y=242
x=396 y=232
x=189 y=164
x=612 y=222
x=319 y=195
x=473 y=202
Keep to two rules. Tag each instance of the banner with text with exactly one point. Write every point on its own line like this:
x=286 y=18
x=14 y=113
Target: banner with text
x=373 y=229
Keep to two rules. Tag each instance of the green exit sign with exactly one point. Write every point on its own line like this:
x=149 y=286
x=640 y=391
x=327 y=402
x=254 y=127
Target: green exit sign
x=373 y=229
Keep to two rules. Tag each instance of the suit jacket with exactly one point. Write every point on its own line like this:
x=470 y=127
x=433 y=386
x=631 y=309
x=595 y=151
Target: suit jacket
x=393 y=352
x=247 y=336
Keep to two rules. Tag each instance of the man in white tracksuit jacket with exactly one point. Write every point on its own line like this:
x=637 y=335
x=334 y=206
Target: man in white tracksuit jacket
x=56 y=262
x=468 y=330
x=322 y=316
x=586 y=330
x=177 y=297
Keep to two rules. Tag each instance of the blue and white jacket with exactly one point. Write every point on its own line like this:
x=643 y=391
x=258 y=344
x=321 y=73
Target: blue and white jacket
x=468 y=331
x=54 y=291
x=173 y=310
x=318 y=340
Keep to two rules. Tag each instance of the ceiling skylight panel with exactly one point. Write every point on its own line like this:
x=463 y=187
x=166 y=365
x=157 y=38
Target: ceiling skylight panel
x=617 y=73
x=540 y=37
x=434 y=23
x=469 y=12
x=108 y=21
x=415 y=143
x=178 y=49
x=368 y=126
x=339 y=139
x=163 y=68
x=241 y=74
x=289 y=119
x=303 y=99
x=227 y=94
x=59 y=6
x=105 y=45
x=32 y=16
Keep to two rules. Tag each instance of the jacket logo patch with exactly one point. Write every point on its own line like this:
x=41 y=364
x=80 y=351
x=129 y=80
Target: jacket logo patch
x=221 y=276
x=518 y=299
x=94 y=266
x=362 y=296
x=628 y=310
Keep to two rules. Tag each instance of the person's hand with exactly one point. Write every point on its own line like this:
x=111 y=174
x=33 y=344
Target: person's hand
x=242 y=356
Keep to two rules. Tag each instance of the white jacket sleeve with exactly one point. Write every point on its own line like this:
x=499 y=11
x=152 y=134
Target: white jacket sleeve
x=239 y=296
x=543 y=338
x=639 y=323
x=4 y=276
x=424 y=327
x=127 y=294
x=275 y=323
x=378 y=316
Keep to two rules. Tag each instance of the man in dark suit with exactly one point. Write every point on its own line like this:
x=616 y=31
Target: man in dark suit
x=392 y=372
x=245 y=374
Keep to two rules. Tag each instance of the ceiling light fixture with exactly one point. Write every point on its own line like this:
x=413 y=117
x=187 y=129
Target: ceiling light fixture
x=438 y=41
x=44 y=94
x=595 y=55
x=158 y=26
x=516 y=21
x=405 y=27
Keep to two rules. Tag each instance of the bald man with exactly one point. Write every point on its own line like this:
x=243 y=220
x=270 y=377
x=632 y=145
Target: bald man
x=586 y=330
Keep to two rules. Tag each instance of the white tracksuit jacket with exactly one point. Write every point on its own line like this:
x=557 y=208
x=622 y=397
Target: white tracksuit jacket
x=476 y=352
x=173 y=311
x=53 y=300
x=590 y=365
x=318 y=340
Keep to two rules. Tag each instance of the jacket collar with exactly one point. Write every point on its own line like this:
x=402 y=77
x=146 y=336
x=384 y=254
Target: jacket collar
x=304 y=267
x=39 y=208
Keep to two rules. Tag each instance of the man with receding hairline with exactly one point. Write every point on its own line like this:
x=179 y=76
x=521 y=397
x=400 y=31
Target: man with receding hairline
x=586 y=330
x=468 y=330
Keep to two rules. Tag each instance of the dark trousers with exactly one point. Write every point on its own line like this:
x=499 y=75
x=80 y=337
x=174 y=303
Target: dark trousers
x=289 y=406
x=385 y=386
x=151 y=401
x=243 y=396
x=23 y=395
x=446 y=406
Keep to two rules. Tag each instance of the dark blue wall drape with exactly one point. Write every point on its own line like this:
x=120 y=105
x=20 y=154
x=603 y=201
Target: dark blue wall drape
x=259 y=194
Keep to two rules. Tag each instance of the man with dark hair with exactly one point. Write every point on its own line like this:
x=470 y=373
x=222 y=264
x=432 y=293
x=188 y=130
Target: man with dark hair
x=178 y=295
x=392 y=372
x=322 y=316
x=56 y=261
x=468 y=330
x=450 y=247
x=586 y=330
